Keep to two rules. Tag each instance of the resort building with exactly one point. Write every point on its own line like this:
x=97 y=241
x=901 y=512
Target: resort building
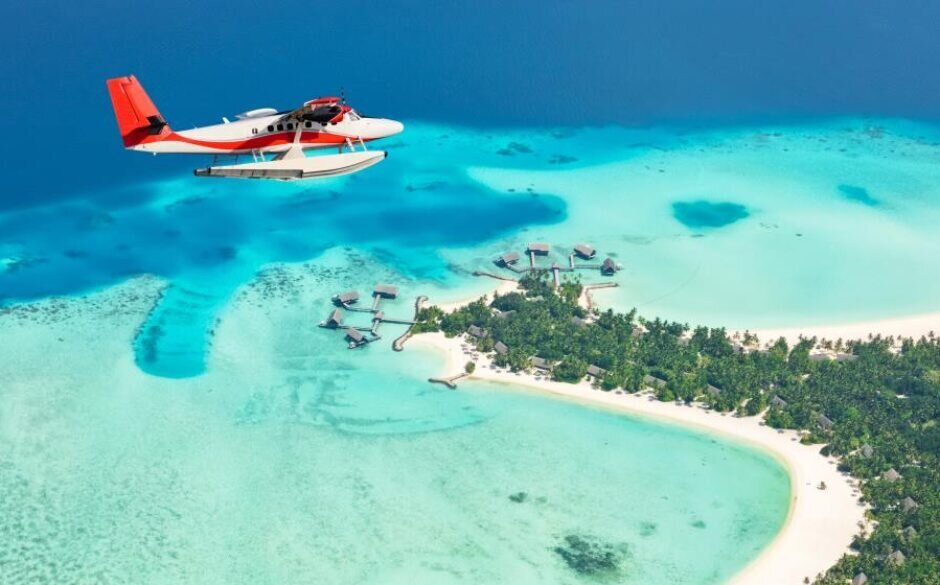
x=909 y=533
x=653 y=381
x=477 y=332
x=508 y=259
x=712 y=390
x=897 y=558
x=824 y=422
x=335 y=319
x=501 y=348
x=778 y=402
x=578 y=322
x=584 y=251
x=867 y=450
x=891 y=475
x=540 y=363
x=346 y=298
x=385 y=291
x=596 y=372
x=538 y=249
x=860 y=579
x=354 y=337
x=609 y=267
x=908 y=504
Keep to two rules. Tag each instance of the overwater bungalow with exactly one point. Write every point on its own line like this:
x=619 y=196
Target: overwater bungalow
x=508 y=258
x=355 y=337
x=385 y=291
x=378 y=315
x=540 y=363
x=596 y=372
x=584 y=251
x=538 y=248
x=891 y=475
x=346 y=298
x=335 y=319
x=477 y=332
x=501 y=348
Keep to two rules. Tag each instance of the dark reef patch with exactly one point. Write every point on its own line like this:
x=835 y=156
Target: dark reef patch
x=859 y=195
x=708 y=214
x=588 y=556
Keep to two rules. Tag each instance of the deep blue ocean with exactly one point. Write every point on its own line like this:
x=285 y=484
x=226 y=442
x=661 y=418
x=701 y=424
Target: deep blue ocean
x=483 y=64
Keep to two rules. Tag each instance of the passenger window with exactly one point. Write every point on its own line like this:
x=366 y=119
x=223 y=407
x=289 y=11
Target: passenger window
x=290 y=126
x=280 y=127
x=307 y=124
x=270 y=128
x=254 y=130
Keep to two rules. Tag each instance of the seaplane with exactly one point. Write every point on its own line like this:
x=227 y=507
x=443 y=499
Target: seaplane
x=277 y=142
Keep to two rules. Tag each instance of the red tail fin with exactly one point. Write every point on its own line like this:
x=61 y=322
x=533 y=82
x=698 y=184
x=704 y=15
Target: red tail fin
x=138 y=119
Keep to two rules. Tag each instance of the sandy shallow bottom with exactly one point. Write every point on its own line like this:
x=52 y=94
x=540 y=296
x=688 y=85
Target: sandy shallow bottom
x=820 y=524
x=295 y=460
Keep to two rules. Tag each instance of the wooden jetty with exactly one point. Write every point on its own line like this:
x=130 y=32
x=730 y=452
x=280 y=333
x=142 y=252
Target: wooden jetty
x=399 y=343
x=450 y=382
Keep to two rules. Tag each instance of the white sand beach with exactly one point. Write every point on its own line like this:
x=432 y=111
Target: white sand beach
x=914 y=326
x=821 y=523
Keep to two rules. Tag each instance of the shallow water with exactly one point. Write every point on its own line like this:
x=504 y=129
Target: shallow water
x=294 y=460
x=204 y=426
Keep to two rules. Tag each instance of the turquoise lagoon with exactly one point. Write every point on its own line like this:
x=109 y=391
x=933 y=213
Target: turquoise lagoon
x=197 y=427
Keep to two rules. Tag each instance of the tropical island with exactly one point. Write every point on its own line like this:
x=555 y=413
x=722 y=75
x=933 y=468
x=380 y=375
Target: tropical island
x=870 y=405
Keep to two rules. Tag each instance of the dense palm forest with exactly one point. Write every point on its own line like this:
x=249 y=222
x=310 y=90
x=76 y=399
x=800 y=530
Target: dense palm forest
x=874 y=403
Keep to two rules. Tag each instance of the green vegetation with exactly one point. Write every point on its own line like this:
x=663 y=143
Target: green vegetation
x=877 y=410
x=470 y=367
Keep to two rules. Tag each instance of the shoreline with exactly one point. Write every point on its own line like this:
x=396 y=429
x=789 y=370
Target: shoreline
x=820 y=524
x=913 y=326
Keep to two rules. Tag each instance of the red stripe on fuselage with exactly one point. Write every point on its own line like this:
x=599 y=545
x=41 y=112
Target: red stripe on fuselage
x=259 y=142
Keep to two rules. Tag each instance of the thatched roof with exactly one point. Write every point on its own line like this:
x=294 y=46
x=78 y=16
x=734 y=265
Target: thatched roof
x=538 y=247
x=908 y=504
x=653 y=381
x=385 y=290
x=584 y=250
x=867 y=450
x=824 y=421
x=596 y=372
x=501 y=348
x=477 y=332
x=860 y=579
x=897 y=558
x=347 y=297
x=540 y=363
x=891 y=475
x=777 y=401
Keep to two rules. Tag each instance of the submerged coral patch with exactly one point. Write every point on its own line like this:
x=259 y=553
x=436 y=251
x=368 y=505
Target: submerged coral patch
x=708 y=214
x=587 y=555
x=858 y=194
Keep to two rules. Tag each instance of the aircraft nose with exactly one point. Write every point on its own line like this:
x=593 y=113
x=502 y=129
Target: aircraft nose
x=381 y=128
x=391 y=127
